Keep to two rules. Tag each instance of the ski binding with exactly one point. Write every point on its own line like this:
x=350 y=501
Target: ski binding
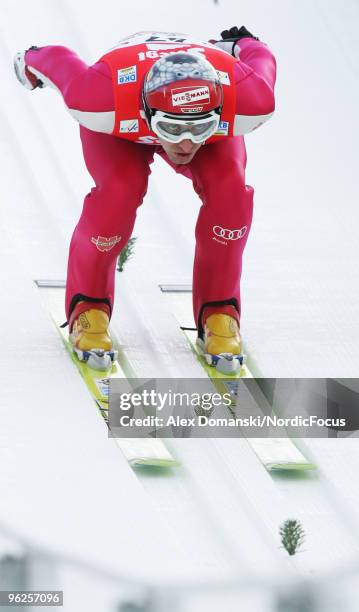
x=225 y=363
x=97 y=359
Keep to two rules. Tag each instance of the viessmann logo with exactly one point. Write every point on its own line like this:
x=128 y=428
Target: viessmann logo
x=105 y=244
x=228 y=234
x=189 y=96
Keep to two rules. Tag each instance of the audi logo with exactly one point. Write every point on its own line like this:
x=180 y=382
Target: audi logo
x=228 y=234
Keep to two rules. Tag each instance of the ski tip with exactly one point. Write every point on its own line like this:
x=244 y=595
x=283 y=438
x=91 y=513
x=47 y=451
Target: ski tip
x=153 y=463
x=291 y=467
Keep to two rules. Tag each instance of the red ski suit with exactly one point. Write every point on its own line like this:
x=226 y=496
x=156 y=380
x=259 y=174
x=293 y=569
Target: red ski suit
x=119 y=148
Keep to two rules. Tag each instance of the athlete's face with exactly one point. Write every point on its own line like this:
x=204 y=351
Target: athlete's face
x=181 y=152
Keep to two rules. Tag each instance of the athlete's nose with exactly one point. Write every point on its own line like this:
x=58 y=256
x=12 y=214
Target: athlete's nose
x=186 y=145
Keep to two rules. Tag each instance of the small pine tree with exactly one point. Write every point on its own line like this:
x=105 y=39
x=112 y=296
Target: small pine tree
x=126 y=253
x=292 y=536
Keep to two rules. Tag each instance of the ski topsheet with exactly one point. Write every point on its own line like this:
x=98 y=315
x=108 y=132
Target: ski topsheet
x=138 y=451
x=275 y=453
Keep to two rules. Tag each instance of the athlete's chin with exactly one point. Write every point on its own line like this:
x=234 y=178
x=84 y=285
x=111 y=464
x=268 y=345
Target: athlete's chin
x=179 y=158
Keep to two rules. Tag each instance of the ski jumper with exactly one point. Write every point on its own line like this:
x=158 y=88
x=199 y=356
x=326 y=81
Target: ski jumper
x=118 y=149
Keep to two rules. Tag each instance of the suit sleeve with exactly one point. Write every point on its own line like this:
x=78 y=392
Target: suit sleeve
x=86 y=90
x=255 y=75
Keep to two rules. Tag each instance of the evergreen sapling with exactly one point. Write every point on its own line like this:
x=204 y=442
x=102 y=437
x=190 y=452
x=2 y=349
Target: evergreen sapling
x=126 y=253
x=292 y=536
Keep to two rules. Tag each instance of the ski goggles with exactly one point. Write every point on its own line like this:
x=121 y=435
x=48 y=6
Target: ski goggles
x=176 y=128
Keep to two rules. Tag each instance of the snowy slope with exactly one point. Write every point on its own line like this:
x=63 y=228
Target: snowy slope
x=65 y=488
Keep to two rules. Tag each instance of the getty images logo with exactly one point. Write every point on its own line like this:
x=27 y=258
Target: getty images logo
x=228 y=234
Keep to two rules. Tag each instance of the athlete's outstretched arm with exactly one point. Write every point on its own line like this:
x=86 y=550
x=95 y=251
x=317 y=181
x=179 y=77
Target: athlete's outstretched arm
x=255 y=75
x=259 y=58
x=87 y=90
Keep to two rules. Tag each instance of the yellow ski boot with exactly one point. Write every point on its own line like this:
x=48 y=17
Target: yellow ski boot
x=90 y=338
x=221 y=344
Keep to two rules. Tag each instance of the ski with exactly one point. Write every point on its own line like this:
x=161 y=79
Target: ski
x=276 y=454
x=138 y=451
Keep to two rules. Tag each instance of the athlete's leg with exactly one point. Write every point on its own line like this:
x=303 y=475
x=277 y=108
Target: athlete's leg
x=218 y=174
x=223 y=224
x=120 y=170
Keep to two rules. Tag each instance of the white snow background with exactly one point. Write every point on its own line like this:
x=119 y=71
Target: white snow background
x=64 y=486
